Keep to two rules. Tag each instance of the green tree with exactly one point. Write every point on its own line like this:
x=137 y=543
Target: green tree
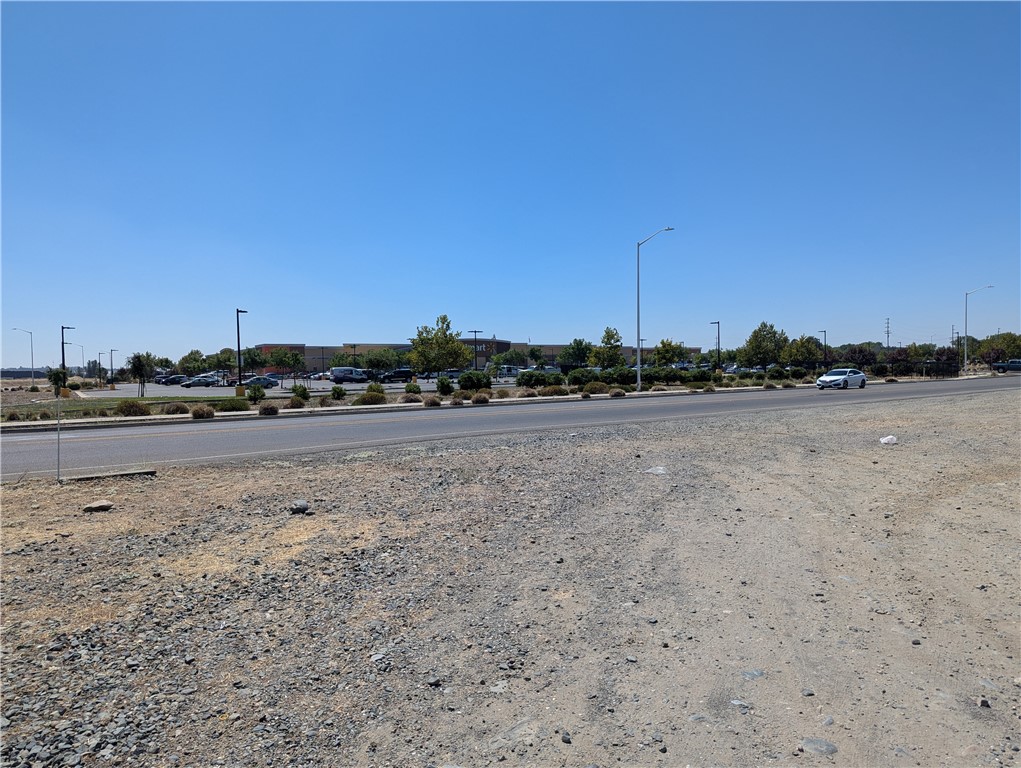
x=999 y=347
x=382 y=359
x=224 y=360
x=666 y=353
x=513 y=357
x=764 y=346
x=805 y=352
x=536 y=356
x=192 y=363
x=142 y=366
x=287 y=360
x=861 y=355
x=342 y=360
x=58 y=378
x=437 y=349
x=253 y=359
x=576 y=353
x=608 y=354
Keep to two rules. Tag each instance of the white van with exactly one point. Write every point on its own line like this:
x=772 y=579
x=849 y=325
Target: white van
x=348 y=375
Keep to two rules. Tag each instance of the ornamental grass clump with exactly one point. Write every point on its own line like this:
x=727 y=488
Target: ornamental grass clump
x=410 y=397
x=326 y=401
x=175 y=409
x=502 y=394
x=769 y=385
x=528 y=392
x=787 y=384
x=202 y=412
x=268 y=409
x=617 y=393
x=431 y=401
x=597 y=388
x=296 y=401
x=371 y=398
x=480 y=398
x=132 y=408
x=457 y=398
x=553 y=390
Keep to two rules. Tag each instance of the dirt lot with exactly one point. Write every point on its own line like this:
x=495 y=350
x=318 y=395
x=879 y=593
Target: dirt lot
x=755 y=590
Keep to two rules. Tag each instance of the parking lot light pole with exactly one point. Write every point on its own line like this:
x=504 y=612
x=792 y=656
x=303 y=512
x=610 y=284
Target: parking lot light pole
x=475 y=349
x=638 y=301
x=966 y=295
x=31 y=350
x=83 y=356
x=111 y=366
x=99 y=373
x=717 y=324
x=63 y=363
x=825 y=358
x=237 y=317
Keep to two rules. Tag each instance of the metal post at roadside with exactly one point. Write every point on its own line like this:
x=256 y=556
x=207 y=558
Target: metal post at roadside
x=31 y=350
x=475 y=349
x=638 y=302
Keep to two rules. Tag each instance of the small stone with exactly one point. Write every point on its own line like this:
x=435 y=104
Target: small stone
x=985 y=703
x=98 y=506
x=807 y=692
x=300 y=507
x=818 y=746
x=916 y=641
x=565 y=737
x=434 y=681
x=632 y=659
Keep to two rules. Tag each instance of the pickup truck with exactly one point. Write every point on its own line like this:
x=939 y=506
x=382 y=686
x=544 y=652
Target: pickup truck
x=1010 y=365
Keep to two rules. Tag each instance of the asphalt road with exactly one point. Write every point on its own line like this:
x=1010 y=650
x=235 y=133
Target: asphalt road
x=146 y=446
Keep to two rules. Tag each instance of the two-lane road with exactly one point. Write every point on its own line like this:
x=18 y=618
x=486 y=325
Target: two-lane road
x=91 y=451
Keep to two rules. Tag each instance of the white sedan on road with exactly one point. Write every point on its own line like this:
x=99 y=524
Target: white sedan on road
x=841 y=378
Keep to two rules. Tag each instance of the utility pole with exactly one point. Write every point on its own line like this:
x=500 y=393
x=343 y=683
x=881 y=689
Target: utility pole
x=887 y=333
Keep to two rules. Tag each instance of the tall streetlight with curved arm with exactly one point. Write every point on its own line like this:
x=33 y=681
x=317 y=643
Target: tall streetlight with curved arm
x=966 y=295
x=638 y=300
x=31 y=350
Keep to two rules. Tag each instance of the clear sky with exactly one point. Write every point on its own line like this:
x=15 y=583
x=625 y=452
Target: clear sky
x=348 y=171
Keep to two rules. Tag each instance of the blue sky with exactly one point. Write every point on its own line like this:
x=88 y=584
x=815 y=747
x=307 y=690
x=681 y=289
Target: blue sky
x=348 y=171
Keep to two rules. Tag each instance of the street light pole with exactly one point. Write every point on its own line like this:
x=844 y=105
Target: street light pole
x=111 y=364
x=638 y=300
x=63 y=362
x=475 y=349
x=966 y=295
x=83 y=356
x=31 y=350
x=237 y=317
x=825 y=363
x=717 y=324
x=99 y=373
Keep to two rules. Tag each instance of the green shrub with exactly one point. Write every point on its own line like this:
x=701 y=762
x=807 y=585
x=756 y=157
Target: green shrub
x=596 y=388
x=268 y=409
x=797 y=372
x=74 y=385
x=33 y=388
x=300 y=390
x=412 y=388
x=501 y=394
x=880 y=369
x=338 y=392
x=620 y=376
x=585 y=395
x=431 y=401
x=531 y=379
x=776 y=373
x=376 y=387
x=725 y=384
x=132 y=408
x=553 y=390
x=480 y=398
x=296 y=401
x=371 y=398
x=444 y=386
x=202 y=412
x=102 y=413
x=232 y=405
x=758 y=377
x=527 y=392
x=473 y=381
x=579 y=377
x=13 y=417
x=410 y=397
x=694 y=385
x=256 y=394
x=617 y=393
x=175 y=408
x=891 y=380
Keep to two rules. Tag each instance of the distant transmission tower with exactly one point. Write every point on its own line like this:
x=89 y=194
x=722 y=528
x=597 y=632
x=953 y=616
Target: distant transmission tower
x=887 y=333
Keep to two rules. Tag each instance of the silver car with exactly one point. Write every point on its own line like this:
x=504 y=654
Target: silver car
x=841 y=378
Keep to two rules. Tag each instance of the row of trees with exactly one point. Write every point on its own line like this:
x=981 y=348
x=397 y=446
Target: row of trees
x=439 y=348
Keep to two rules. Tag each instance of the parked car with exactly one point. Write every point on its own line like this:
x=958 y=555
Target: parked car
x=841 y=378
x=177 y=378
x=398 y=374
x=263 y=381
x=344 y=374
x=1010 y=365
x=201 y=381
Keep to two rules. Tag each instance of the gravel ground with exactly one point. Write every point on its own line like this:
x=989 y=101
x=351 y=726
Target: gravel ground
x=761 y=589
